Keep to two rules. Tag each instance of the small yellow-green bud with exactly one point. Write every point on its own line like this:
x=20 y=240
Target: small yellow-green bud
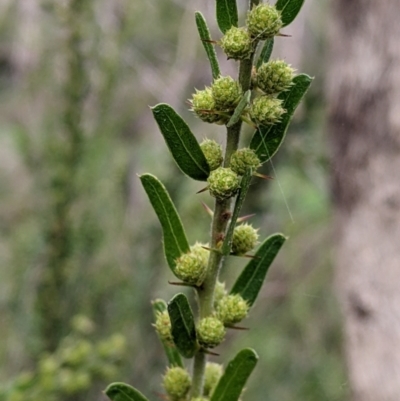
x=200 y=399
x=223 y=183
x=210 y=332
x=244 y=239
x=177 y=383
x=203 y=105
x=232 y=309
x=266 y=110
x=191 y=267
x=244 y=159
x=264 y=21
x=274 y=77
x=219 y=292
x=163 y=326
x=212 y=152
x=226 y=93
x=211 y=377
x=237 y=43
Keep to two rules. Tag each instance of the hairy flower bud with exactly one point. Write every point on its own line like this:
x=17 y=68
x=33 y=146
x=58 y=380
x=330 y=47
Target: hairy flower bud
x=211 y=377
x=266 y=110
x=226 y=93
x=237 y=43
x=274 y=77
x=210 y=332
x=244 y=239
x=232 y=309
x=163 y=326
x=191 y=267
x=212 y=152
x=263 y=21
x=219 y=292
x=244 y=159
x=177 y=383
x=203 y=105
x=223 y=183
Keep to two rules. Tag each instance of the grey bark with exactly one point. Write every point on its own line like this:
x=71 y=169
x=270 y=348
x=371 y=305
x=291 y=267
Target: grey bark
x=364 y=119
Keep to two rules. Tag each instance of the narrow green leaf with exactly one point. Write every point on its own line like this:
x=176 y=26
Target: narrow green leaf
x=208 y=47
x=175 y=241
x=181 y=142
x=183 y=327
x=266 y=52
x=171 y=352
x=227 y=14
x=289 y=9
x=244 y=187
x=249 y=283
x=244 y=101
x=123 y=392
x=267 y=139
x=232 y=382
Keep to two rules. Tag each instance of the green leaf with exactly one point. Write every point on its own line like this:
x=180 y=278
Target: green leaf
x=227 y=14
x=123 y=392
x=249 y=283
x=183 y=327
x=267 y=139
x=209 y=47
x=175 y=241
x=173 y=356
x=244 y=101
x=266 y=52
x=181 y=142
x=289 y=9
x=230 y=386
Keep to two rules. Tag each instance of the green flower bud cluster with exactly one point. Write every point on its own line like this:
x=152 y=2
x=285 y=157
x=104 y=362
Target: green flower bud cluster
x=203 y=105
x=274 y=77
x=223 y=183
x=199 y=399
x=210 y=332
x=266 y=110
x=219 y=292
x=163 y=326
x=263 y=21
x=177 y=383
x=226 y=93
x=244 y=159
x=237 y=43
x=212 y=375
x=232 y=309
x=212 y=152
x=244 y=239
x=191 y=267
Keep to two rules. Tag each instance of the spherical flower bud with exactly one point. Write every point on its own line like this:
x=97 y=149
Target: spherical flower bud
x=274 y=77
x=264 y=21
x=163 y=326
x=244 y=239
x=203 y=105
x=191 y=267
x=223 y=183
x=266 y=110
x=212 y=152
x=232 y=309
x=237 y=43
x=211 y=377
x=219 y=292
x=226 y=93
x=177 y=383
x=210 y=332
x=244 y=159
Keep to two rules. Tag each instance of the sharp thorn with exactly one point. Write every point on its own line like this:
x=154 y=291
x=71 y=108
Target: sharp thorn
x=237 y=328
x=265 y=177
x=181 y=284
x=202 y=190
x=244 y=218
x=208 y=210
x=283 y=35
x=208 y=352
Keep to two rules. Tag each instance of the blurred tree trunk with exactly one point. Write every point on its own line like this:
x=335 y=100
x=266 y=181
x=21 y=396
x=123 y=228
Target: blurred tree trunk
x=364 y=88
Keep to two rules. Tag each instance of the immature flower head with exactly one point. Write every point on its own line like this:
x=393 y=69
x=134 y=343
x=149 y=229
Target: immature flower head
x=244 y=159
x=213 y=153
x=203 y=105
x=226 y=93
x=244 y=239
x=177 y=383
x=223 y=183
x=274 y=77
x=263 y=21
x=219 y=292
x=191 y=267
x=232 y=309
x=266 y=110
x=163 y=326
x=212 y=375
x=237 y=43
x=199 y=399
x=210 y=332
